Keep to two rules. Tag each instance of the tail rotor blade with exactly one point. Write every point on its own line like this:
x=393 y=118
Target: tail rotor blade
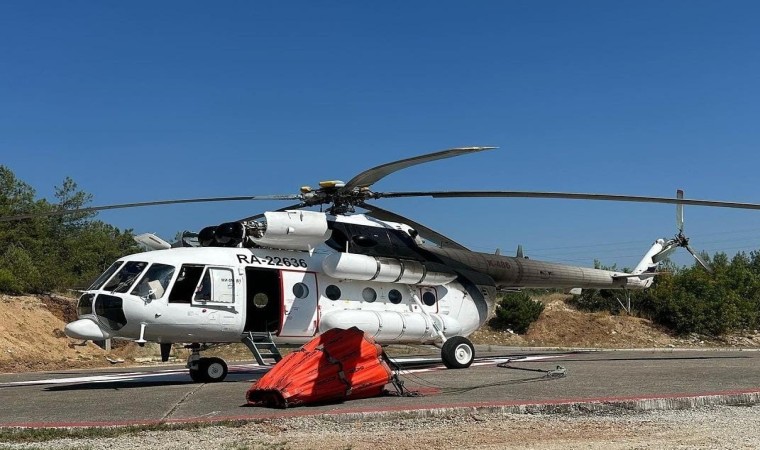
x=699 y=260
x=679 y=211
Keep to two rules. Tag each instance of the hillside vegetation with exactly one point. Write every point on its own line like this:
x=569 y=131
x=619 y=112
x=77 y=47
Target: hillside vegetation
x=47 y=254
x=690 y=300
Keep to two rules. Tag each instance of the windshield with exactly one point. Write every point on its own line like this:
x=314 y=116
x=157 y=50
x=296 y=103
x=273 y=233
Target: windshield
x=106 y=275
x=124 y=278
x=155 y=281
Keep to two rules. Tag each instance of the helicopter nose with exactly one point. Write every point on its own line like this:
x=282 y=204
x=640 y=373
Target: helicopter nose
x=85 y=329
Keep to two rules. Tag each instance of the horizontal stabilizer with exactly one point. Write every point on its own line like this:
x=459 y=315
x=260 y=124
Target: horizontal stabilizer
x=640 y=276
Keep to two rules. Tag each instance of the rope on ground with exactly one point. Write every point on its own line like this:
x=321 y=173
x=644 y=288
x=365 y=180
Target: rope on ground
x=398 y=383
x=398 y=372
x=558 y=372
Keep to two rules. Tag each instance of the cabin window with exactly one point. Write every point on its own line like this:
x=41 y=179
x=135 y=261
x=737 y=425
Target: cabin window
x=187 y=280
x=332 y=292
x=300 y=290
x=369 y=295
x=84 y=306
x=122 y=281
x=260 y=300
x=395 y=296
x=217 y=285
x=155 y=282
x=203 y=290
x=428 y=298
x=110 y=312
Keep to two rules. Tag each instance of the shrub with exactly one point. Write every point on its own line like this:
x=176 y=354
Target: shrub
x=9 y=283
x=516 y=311
x=595 y=300
x=20 y=274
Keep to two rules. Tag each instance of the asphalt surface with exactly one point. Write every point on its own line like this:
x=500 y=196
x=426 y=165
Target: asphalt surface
x=122 y=396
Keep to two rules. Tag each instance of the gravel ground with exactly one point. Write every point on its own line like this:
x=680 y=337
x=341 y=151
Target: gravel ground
x=706 y=428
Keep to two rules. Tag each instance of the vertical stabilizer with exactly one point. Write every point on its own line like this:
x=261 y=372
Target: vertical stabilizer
x=652 y=258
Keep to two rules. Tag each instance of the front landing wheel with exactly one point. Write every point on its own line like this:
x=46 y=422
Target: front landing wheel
x=457 y=353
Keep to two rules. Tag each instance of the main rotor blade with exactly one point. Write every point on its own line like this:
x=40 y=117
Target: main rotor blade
x=384 y=214
x=567 y=195
x=64 y=212
x=700 y=260
x=373 y=175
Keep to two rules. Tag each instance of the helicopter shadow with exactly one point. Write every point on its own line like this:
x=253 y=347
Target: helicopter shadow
x=132 y=383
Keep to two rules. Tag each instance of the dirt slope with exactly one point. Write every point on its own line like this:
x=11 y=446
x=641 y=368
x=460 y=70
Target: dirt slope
x=561 y=325
x=32 y=338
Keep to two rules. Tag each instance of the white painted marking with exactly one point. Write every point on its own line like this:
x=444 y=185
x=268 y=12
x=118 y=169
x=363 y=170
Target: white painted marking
x=477 y=363
x=130 y=376
x=255 y=368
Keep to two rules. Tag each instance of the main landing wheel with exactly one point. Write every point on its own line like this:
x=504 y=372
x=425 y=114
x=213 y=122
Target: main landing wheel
x=210 y=370
x=457 y=353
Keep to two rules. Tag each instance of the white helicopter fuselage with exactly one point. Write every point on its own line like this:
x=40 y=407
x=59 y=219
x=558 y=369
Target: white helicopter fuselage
x=283 y=292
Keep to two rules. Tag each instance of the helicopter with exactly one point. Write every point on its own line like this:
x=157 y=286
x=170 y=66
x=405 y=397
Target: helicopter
x=282 y=277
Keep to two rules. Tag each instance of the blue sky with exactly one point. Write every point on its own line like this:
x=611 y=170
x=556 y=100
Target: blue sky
x=140 y=101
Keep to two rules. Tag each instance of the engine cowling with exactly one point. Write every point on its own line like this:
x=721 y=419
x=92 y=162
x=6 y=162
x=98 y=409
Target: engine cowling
x=293 y=230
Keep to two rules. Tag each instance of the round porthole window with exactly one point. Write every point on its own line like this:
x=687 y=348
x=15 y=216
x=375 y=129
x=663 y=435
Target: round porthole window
x=428 y=298
x=260 y=300
x=369 y=295
x=332 y=292
x=394 y=296
x=300 y=290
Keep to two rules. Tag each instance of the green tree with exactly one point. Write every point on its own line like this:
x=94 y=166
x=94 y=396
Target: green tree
x=690 y=300
x=516 y=311
x=56 y=252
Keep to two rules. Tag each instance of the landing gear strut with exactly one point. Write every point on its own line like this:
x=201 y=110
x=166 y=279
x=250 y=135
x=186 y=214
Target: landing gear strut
x=205 y=370
x=457 y=352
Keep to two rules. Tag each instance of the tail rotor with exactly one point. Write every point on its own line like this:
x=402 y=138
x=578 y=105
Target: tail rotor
x=680 y=239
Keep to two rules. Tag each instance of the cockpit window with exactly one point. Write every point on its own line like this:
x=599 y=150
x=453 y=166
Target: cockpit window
x=124 y=278
x=105 y=276
x=155 y=281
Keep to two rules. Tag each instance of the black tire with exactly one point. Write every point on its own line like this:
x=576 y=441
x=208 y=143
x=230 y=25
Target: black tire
x=197 y=376
x=214 y=370
x=457 y=353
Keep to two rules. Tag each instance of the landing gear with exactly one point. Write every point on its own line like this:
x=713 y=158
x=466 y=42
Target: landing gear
x=457 y=352
x=210 y=370
x=205 y=370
